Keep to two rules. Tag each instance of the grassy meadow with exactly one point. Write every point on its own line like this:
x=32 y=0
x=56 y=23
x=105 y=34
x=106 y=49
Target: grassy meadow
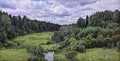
x=37 y=39
x=20 y=54
x=14 y=55
x=95 y=54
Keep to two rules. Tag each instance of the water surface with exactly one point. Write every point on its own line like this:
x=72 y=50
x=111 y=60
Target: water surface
x=49 y=56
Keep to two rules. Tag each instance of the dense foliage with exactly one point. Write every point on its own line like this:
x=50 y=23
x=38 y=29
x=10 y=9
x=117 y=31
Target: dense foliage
x=101 y=29
x=12 y=26
x=71 y=56
x=37 y=53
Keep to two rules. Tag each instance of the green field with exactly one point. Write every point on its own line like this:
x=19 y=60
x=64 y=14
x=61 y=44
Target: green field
x=95 y=54
x=37 y=39
x=13 y=54
x=99 y=54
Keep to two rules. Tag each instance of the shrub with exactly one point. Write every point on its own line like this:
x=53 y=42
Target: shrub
x=81 y=48
x=36 y=52
x=71 y=55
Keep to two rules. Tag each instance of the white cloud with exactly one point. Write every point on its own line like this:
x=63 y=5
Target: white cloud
x=57 y=11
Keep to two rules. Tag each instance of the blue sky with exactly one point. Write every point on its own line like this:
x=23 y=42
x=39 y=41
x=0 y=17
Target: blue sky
x=57 y=11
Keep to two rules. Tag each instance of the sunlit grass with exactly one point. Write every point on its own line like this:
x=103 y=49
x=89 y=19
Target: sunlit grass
x=99 y=54
x=50 y=47
x=27 y=40
x=14 y=55
x=95 y=54
x=35 y=39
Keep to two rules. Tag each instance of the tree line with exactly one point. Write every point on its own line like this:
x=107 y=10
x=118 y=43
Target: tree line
x=102 y=29
x=12 y=26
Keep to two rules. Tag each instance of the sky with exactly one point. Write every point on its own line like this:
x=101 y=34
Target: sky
x=57 y=11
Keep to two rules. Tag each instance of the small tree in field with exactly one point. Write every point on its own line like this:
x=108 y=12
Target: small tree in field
x=36 y=52
x=71 y=55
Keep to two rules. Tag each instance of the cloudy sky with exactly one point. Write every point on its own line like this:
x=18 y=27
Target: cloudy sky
x=57 y=11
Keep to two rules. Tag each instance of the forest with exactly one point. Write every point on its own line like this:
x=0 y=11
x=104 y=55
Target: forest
x=100 y=30
x=13 y=26
x=97 y=34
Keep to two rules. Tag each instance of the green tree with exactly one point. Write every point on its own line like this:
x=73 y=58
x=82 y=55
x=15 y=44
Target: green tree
x=37 y=53
x=13 y=26
x=107 y=42
x=99 y=40
x=115 y=39
x=3 y=36
x=116 y=16
x=81 y=22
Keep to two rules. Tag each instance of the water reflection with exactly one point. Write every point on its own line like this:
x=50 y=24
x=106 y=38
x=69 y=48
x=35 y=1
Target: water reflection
x=49 y=56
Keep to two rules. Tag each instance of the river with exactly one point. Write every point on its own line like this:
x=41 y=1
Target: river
x=49 y=56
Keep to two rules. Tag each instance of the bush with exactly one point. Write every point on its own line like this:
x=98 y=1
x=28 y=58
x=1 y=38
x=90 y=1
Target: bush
x=35 y=58
x=10 y=44
x=71 y=55
x=118 y=46
x=115 y=39
x=36 y=52
x=1 y=45
x=81 y=48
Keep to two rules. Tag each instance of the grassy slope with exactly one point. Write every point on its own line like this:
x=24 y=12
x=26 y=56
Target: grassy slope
x=95 y=54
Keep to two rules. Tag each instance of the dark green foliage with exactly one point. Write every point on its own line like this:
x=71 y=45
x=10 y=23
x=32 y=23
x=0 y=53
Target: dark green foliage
x=3 y=35
x=118 y=46
x=115 y=39
x=81 y=48
x=12 y=26
x=36 y=52
x=64 y=33
x=33 y=58
x=116 y=16
x=100 y=18
x=107 y=42
x=101 y=29
x=82 y=22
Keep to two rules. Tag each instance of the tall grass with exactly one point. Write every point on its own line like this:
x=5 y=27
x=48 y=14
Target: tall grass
x=95 y=54
x=14 y=55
